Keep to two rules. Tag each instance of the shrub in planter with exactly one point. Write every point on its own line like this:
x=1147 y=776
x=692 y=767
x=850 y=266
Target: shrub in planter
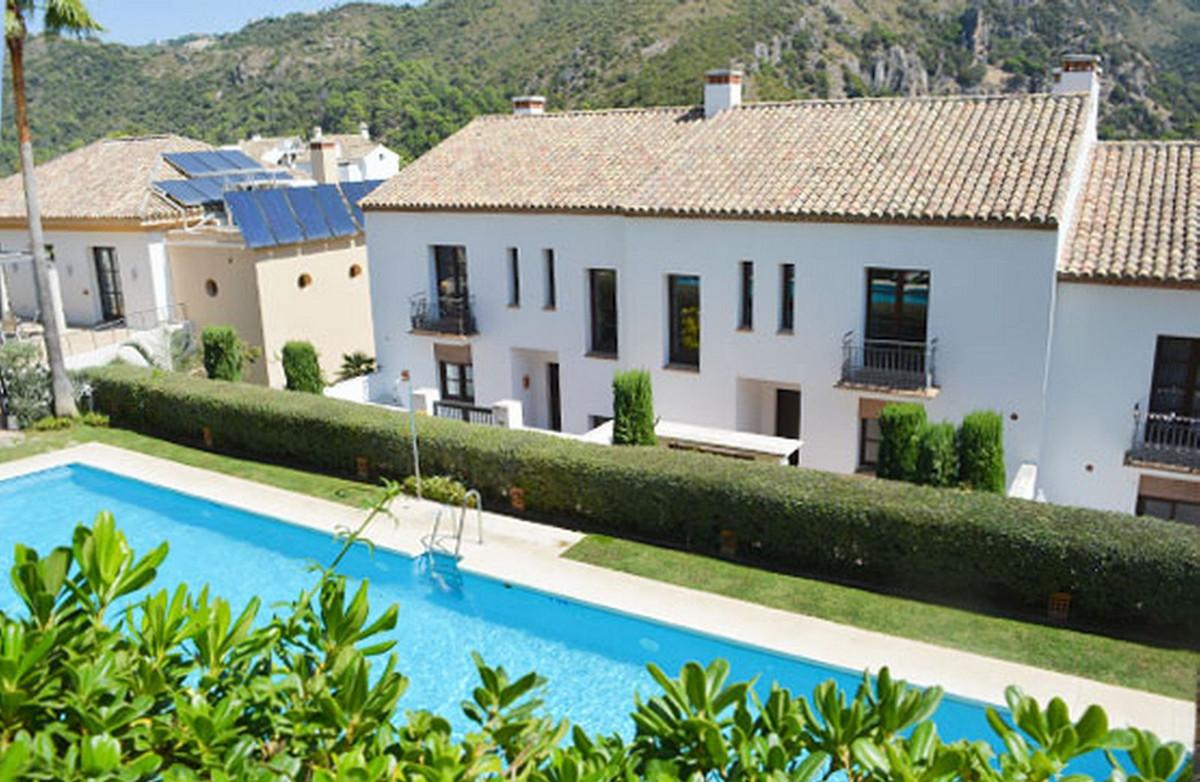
x=301 y=368
x=899 y=425
x=439 y=488
x=633 y=408
x=224 y=357
x=937 y=455
x=27 y=381
x=981 y=451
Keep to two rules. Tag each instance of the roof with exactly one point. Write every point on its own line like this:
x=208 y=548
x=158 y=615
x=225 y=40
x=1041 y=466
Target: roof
x=351 y=146
x=257 y=147
x=1004 y=159
x=105 y=180
x=1139 y=215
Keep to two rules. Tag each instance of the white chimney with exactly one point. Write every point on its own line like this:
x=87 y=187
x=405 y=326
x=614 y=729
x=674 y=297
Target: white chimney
x=364 y=130
x=529 y=105
x=722 y=90
x=1079 y=73
x=316 y=132
x=322 y=153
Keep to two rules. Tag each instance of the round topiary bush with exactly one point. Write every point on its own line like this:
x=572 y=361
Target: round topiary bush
x=301 y=367
x=223 y=354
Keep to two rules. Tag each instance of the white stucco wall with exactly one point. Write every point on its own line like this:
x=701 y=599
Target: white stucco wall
x=141 y=260
x=990 y=308
x=1102 y=362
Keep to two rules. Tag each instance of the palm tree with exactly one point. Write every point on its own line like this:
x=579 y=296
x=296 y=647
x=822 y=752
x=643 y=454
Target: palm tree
x=70 y=16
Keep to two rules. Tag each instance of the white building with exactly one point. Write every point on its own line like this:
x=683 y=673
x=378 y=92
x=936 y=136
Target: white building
x=790 y=268
x=359 y=158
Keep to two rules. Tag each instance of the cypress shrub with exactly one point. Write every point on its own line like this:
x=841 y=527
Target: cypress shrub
x=223 y=356
x=937 y=455
x=301 y=369
x=1124 y=572
x=633 y=408
x=899 y=425
x=981 y=451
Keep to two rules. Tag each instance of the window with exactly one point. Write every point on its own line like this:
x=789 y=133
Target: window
x=304 y=280
x=868 y=444
x=1172 y=510
x=514 y=277
x=458 y=382
x=450 y=266
x=897 y=305
x=1175 y=386
x=108 y=277
x=355 y=270
x=210 y=287
x=787 y=296
x=683 y=295
x=551 y=285
x=602 y=284
x=746 y=307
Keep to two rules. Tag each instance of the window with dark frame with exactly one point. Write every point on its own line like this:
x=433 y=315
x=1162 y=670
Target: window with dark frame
x=746 y=305
x=551 y=283
x=602 y=288
x=1172 y=510
x=514 y=277
x=108 y=279
x=683 y=296
x=457 y=382
x=787 y=298
x=897 y=305
x=1175 y=384
x=450 y=266
x=868 y=444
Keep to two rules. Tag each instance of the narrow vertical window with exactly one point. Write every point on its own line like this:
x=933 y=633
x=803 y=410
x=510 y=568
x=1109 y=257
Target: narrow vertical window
x=514 y=277
x=551 y=284
x=683 y=296
x=746 y=307
x=787 y=296
x=602 y=284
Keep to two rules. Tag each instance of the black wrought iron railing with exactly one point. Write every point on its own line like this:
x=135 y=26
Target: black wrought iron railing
x=461 y=411
x=1166 y=438
x=443 y=314
x=888 y=363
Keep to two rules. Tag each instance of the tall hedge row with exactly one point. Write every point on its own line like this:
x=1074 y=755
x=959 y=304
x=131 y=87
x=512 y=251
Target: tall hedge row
x=1123 y=572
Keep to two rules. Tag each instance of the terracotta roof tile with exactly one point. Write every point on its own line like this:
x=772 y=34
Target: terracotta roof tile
x=994 y=158
x=1139 y=215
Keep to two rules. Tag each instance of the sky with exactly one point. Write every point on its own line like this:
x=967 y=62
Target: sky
x=142 y=21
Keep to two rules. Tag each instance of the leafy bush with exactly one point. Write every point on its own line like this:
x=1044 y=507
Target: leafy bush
x=52 y=424
x=899 y=425
x=98 y=420
x=937 y=455
x=981 y=451
x=633 y=408
x=356 y=364
x=439 y=488
x=301 y=368
x=184 y=687
x=223 y=353
x=27 y=380
x=1123 y=572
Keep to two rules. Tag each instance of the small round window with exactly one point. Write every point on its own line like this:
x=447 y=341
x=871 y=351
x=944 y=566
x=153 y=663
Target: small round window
x=210 y=287
x=304 y=281
x=355 y=270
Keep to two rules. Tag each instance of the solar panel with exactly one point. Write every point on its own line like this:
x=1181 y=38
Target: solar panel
x=243 y=207
x=236 y=160
x=279 y=216
x=190 y=163
x=211 y=162
x=337 y=213
x=355 y=191
x=304 y=204
x=185 y=192
x=210 y=189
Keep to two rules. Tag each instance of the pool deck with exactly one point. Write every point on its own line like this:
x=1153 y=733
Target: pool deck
x=529 y=554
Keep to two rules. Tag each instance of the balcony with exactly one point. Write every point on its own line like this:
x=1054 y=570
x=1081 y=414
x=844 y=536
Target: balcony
x=462 y=411
x=444 y=315
x=1165 y=440
x=889 y=365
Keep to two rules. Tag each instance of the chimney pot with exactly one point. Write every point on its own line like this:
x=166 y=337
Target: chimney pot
x=1079 y=73
x=364 y=130
x=316 y=132
x=722 y=90
x=526 y=105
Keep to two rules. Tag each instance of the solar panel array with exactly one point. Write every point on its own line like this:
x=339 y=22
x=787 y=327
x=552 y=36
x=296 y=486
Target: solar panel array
x=287 y=215
x=212 y=162
x=210 y=188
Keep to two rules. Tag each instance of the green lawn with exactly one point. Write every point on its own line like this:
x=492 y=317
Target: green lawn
x=1167 y=671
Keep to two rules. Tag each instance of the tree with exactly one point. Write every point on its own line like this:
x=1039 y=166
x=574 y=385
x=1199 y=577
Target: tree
x=633 y=408
x=58 y=16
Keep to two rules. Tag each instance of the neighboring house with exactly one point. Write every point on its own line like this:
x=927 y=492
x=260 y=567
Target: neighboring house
x=790 y=268
x=358 y=158
x=159 y=228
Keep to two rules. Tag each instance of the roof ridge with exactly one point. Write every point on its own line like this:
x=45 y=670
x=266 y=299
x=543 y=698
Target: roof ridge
x=1150 y=142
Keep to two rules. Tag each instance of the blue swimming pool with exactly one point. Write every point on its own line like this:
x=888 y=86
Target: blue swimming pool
x=594 y=658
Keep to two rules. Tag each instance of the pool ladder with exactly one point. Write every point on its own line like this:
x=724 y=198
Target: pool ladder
x=438 y=541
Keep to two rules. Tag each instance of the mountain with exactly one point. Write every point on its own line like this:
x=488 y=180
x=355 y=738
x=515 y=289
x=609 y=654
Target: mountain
x=418 y=73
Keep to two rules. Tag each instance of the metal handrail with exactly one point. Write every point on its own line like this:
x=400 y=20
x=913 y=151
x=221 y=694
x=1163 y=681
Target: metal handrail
x=433 y=541
x=891 y=363
x=443 y=314
x=1170 y=438
x=462 y=411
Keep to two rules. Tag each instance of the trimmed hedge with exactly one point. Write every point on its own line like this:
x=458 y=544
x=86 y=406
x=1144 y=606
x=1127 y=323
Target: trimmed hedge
x=981 y=451
x=223 y=356
x=1123 y=572
x=633 y=408
x=937 y=455
x=899 y=426
x=301 y=369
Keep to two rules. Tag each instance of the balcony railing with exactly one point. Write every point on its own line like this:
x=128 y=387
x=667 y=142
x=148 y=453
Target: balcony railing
x=461 y=411
x=887 y=363
x=1166 y=439
x=443 y=315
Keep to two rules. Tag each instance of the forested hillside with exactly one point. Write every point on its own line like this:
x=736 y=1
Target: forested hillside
x=416 y=74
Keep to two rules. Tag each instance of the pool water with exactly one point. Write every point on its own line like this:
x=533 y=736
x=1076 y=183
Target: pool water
x=593 y=658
